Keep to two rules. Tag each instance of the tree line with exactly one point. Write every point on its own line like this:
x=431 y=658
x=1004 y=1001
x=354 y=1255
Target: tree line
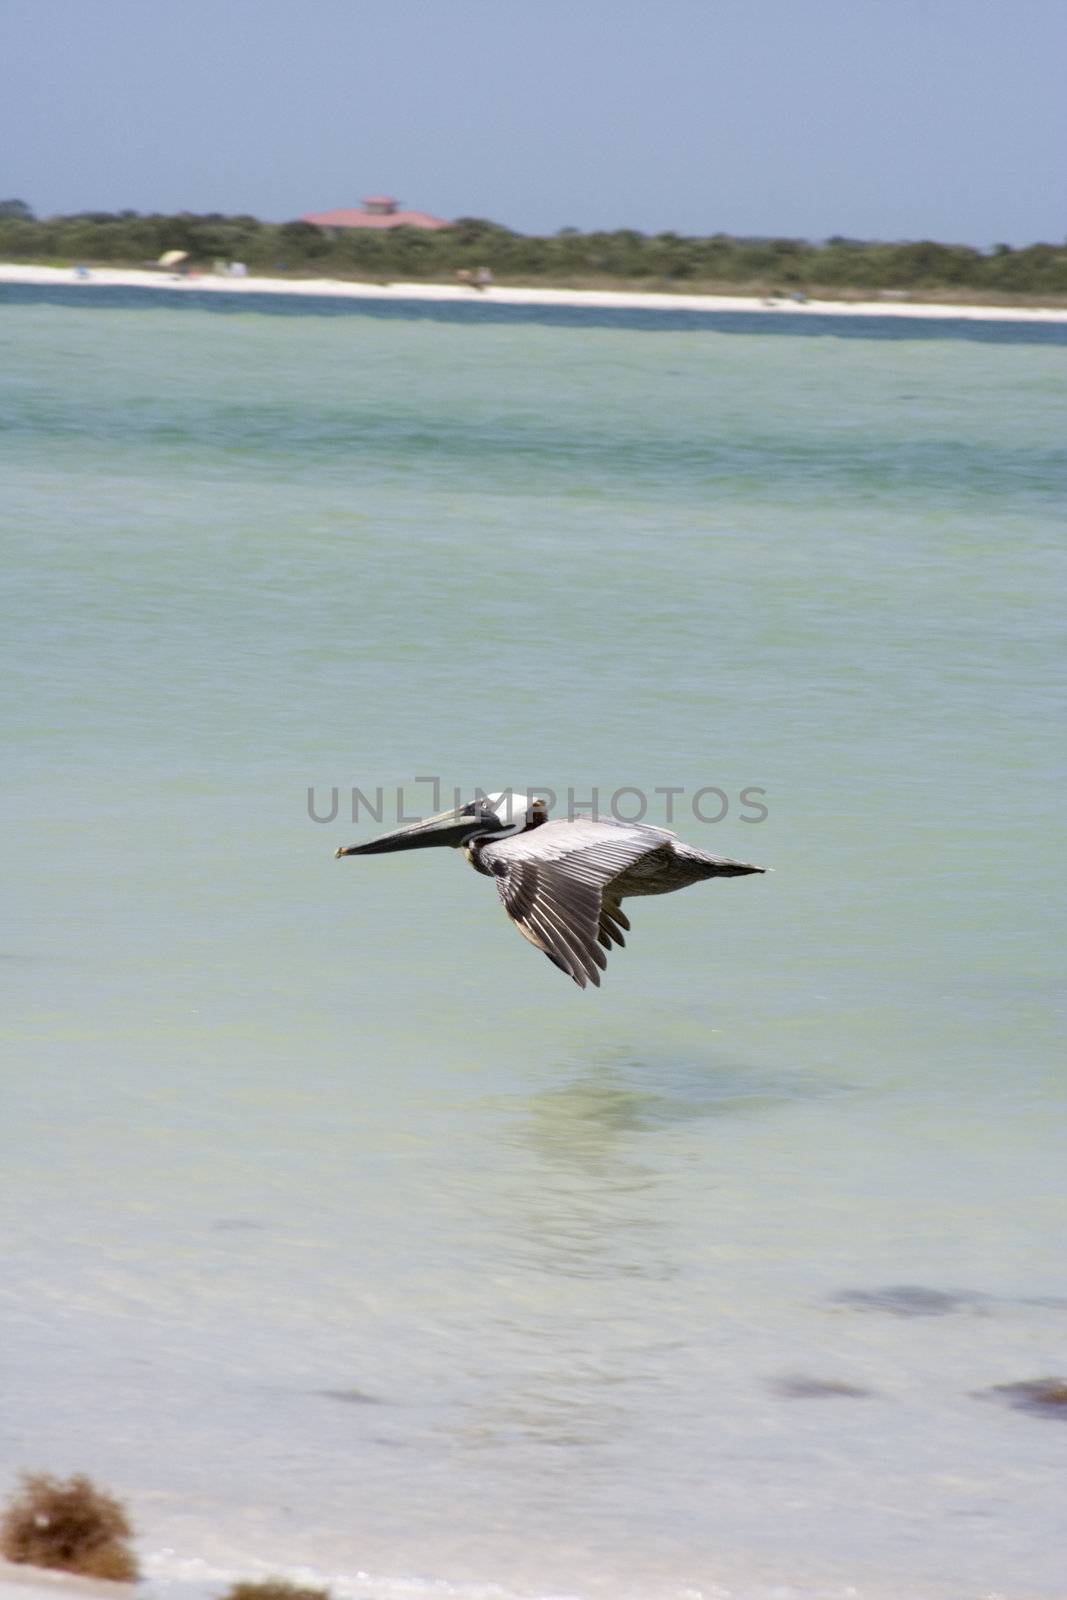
x=623 y=257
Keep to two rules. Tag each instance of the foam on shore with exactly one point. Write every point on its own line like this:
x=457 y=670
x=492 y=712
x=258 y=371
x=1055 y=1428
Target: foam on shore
x=131 y=278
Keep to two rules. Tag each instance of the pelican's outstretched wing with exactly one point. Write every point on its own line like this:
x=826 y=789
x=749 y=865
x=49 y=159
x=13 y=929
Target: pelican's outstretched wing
x=553 y=879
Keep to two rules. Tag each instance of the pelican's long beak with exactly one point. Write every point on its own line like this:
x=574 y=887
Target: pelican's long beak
x=448 y=827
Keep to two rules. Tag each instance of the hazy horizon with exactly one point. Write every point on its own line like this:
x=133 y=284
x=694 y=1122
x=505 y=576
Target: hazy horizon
x=863 y=121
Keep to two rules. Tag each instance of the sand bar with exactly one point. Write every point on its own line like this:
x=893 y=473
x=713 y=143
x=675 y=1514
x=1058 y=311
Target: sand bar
x=208 y=283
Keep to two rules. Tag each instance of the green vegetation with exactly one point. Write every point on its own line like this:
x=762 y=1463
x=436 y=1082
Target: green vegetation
x=273 y=1589
x=69 y=1525
x=836 y=268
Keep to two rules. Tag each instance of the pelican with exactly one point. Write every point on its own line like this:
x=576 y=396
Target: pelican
x=562 y=882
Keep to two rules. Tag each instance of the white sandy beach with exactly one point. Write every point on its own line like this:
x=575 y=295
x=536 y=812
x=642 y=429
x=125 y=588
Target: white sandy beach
x=168 y=1577
x=121 y=277
x=39 y=1583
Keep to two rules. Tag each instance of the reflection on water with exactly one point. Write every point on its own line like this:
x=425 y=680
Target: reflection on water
x=588 y=1159
x=589 y=1211
x=586 y=1246
x=578 y=1226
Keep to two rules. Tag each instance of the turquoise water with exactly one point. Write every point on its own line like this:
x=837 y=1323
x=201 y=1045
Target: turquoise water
x=342 y=1232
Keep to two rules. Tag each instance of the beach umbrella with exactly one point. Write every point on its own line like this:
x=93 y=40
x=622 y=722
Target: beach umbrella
x=171 y=258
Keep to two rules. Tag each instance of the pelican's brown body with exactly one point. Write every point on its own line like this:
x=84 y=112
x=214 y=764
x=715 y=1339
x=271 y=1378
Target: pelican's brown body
x=563 y=885
x=562 y=882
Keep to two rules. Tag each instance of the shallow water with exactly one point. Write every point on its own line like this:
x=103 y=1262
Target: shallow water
x=342 y=1231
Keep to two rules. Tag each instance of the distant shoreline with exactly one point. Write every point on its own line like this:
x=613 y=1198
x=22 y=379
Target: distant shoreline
x=623 y=300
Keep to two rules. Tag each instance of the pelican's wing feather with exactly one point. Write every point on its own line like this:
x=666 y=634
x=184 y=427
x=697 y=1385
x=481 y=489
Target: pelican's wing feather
x=552 y=880
x=612 y=921
x=596 y=839
x=557 y=914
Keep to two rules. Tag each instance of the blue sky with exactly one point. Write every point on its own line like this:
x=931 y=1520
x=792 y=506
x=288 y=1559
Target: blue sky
x=885 y=119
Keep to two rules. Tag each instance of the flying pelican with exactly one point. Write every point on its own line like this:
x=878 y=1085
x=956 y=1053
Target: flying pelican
x=562 y=881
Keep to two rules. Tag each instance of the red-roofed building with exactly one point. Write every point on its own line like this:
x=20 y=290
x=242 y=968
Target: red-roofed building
x=380 y=211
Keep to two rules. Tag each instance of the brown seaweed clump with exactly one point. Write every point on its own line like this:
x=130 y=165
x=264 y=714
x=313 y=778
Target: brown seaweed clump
x=273 y=1589
x=911 y=1300
x=1043 y=1396
x=69 y=1525
x=798 y=1386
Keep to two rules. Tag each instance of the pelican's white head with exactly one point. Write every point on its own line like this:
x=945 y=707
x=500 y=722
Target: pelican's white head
x=514 y=813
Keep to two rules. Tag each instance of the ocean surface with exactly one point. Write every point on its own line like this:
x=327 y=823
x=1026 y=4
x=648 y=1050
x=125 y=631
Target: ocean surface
x=343 y=1236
